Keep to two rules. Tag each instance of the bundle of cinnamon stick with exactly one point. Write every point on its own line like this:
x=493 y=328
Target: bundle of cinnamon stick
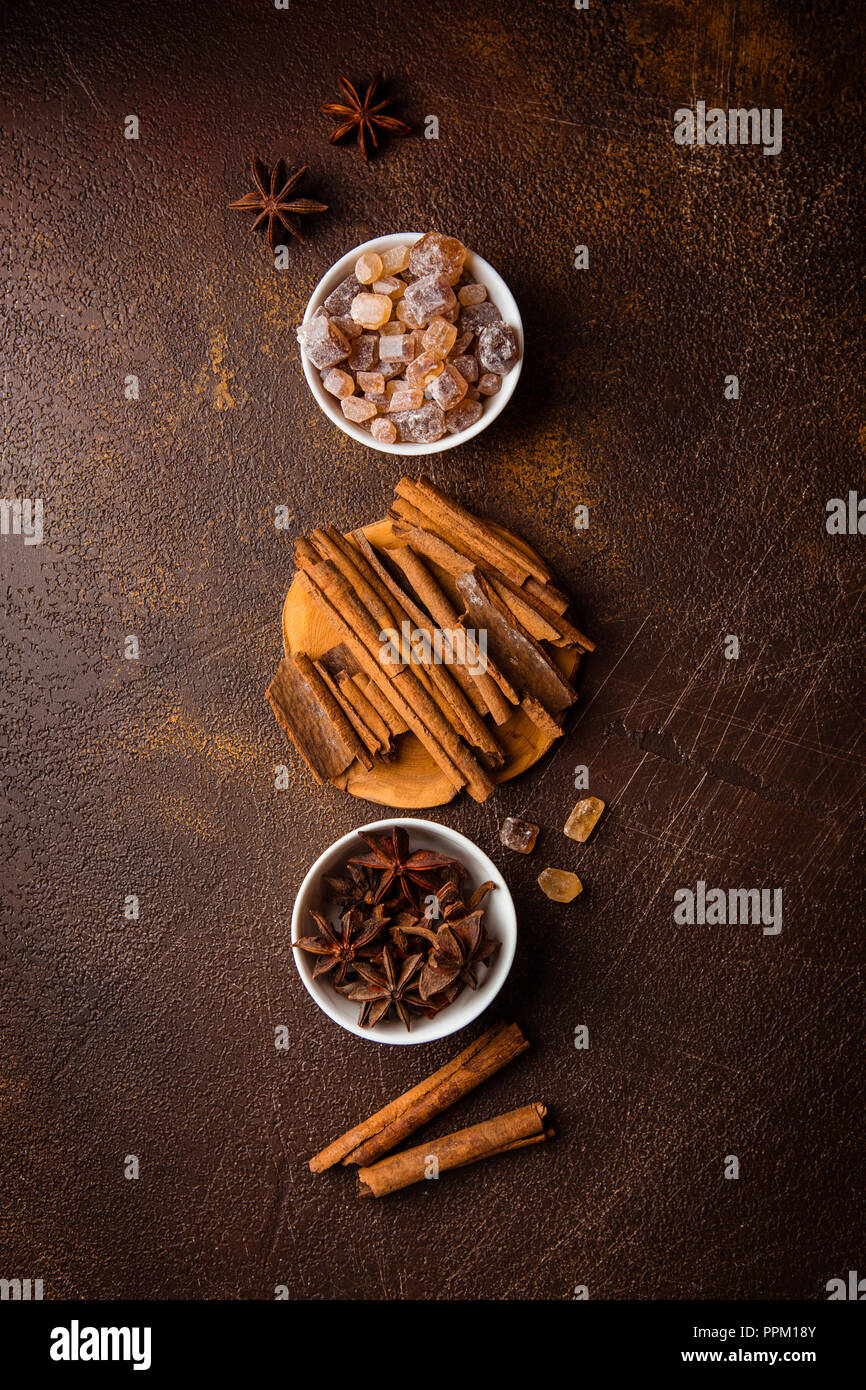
x=367 y=1143
x=448 y=575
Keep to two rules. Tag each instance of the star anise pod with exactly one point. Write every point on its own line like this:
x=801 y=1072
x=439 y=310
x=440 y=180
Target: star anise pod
x=389 y=856
x=339 y=951
x=381 y=990
x=354 y=888
x=363 y=116
x=461 y=945
x=271 y=199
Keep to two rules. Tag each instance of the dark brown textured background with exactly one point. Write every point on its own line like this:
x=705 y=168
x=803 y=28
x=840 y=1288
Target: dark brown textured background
x=707 y=518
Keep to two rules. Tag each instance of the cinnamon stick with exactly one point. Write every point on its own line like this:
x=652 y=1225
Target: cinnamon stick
x=362 y=729
x=354 y=693
x=468 y=718
x=361 y=633
x=380 y=702
x=525 y=664
x=503 y=556
x=368 y=1141
x=514 y=1130
x=440 y=608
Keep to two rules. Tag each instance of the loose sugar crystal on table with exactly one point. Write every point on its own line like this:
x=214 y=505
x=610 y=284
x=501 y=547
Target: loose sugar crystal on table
x=410 y=322
x=448 y=389
x=519 y=835
x=583 y=818
x=422 y=426
x=368 y=267
x=436 y=254
x=497 y=348
x=323 y=342
x=559 y=885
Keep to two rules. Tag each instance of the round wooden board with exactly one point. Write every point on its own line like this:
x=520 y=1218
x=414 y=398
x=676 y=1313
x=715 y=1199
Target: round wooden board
x=411 y=781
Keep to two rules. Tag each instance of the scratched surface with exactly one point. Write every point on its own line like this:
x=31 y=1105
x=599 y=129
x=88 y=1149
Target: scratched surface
x=155 y=777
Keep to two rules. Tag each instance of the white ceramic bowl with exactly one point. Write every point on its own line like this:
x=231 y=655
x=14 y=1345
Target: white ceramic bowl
x=497 y=291
x=500 y=917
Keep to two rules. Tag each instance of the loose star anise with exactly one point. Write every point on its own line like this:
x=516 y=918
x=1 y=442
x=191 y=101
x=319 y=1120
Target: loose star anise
x=390 y=857
x=339 y=952
x=382 y=990
x=271 y=199
x=363 y=114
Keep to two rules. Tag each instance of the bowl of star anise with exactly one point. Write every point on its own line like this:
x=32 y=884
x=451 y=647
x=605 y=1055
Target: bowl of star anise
x=403 y=931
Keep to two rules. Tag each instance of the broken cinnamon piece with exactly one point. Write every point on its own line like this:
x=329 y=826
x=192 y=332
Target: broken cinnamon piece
x=583 y=818
x=362 y=729
x=515 y=1130
x=470 y=723
x=312 y=719
x=559 y=885
x=356 y=695
x=380 y=702
x=364 y=630
x=488 y=695
x=373 y=1137
x=534 y=710
x=523 y=661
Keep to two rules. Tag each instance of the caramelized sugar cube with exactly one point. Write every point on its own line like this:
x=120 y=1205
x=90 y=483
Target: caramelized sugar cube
x=583 y=818
x=371 y=381
x=368 y=267
x=391 y=286
x=405 y=316
x=424 y=368
x=354 y=408
x=472 y=294
x=467 y=366
x=397 y=348
x=371 y=310
x=448 y=389
x=395 y=259
x=323 y=342
x=497 y=348
x=390 y=368
x=559 y=885
x=463 y=415
x=338 y=383
x=364 y=353
x=489 y=383
x=423 y=425
x=407 y=399
x=339 y=301
x=478 y=316
x=347 y=325
x=436 y=254
x=428 y=297
x=378 y=399
x=383 y=430
x=440 y=337
x=392 y=327
x=518 y=834
x=462 y=345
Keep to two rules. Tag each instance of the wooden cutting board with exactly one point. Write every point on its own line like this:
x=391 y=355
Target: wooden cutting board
x=411 y=780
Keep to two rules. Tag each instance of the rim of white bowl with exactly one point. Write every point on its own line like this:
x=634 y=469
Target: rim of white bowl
x=499 y=294
x=470 y=1003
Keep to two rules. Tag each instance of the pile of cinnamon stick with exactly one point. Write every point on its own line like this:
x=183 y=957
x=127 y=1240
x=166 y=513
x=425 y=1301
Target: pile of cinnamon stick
x=368 y=1143
x=354 y=701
